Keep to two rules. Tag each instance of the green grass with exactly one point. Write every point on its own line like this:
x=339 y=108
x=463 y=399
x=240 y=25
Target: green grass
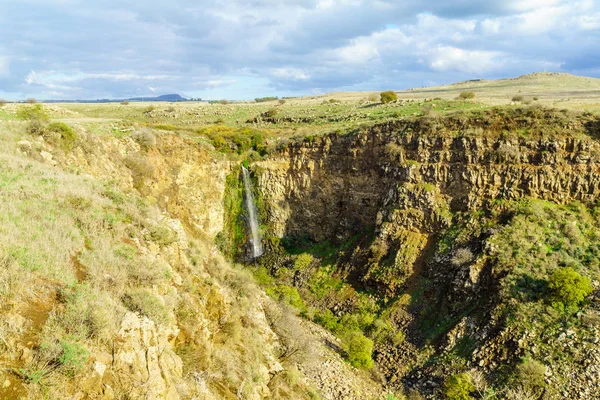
x=233 y=236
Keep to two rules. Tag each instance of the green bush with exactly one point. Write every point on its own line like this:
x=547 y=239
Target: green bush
x=466 y=95
x=147 y=304
x=288 y=295
x=358 y=350
x=459 y=387
x=568 y=288
x=399 y=338
x=72 y=358
x=389 y=96
x=327 y=320
x=66 y=134
x=303 y=261
x=34 y=112
x=265 y=99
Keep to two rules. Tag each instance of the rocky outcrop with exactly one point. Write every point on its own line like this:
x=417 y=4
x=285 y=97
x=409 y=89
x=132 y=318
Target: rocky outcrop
x=180 y=175
x=143 y=362
x=336 y=185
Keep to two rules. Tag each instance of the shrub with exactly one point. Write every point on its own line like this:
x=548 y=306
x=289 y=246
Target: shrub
x=281 y=102
x=389 y=96
x=288 y=295
x=270 y=113
x=392 y=396
x=461 y=256
x=72 y=358
x=466 y=95
x=140 y=166
x=33 y=113
x=144 y=137
x=162 y=235
x=374 y=97
x=535 y=98
x=303 y=261
x=223 y=101
x=65 y=133
x=149 y=109
x=265 y=99
x=327 y=320
x=530 y=374
x=399 y=338
x=459 y=387
x=2 y=103
x=334 y=101
x=517 y=98
x=568 y=288
x=31 y=101
x=36 y=128
x=358 y=349
x=147 y=304
x=125 y=103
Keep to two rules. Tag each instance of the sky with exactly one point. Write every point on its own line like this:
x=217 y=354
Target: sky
x=234 y=49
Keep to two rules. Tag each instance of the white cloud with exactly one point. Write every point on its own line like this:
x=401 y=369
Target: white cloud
x=290 y=73
x=477 y=62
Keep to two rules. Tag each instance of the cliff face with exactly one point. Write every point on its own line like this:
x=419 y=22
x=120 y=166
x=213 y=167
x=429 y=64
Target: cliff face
x=415 y=195
x=337 y=186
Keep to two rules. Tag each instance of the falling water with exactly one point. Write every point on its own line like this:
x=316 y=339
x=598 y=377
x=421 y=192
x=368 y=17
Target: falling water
x=257 y=248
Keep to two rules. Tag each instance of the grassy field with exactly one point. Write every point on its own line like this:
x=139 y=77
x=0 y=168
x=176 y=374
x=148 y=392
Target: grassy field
x=551 y=89
x=330 y=112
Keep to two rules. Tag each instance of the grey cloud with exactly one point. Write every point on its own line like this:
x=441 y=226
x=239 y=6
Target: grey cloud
x=77 y=48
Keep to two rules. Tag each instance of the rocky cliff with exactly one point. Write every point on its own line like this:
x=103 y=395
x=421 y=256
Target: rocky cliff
x=413 y=208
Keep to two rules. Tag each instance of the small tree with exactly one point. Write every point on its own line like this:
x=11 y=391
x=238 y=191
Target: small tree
x=461 y=256
x=530 y=375
x=388 y=96
x=517 y=98
x=359 y=349
x=466 y=95
x=2 y=103
x=31 y=101
x=459 y=387
x=568 y=288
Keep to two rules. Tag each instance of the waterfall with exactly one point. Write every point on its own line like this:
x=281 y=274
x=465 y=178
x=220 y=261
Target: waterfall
x=257 y=248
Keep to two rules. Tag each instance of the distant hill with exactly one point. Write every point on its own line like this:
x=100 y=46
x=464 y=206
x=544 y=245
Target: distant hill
x=165 y=97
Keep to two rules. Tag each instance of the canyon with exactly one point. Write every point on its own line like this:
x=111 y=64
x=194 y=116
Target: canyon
x=428 y=239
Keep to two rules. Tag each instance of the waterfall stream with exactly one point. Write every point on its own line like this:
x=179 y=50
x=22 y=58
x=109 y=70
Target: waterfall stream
x=257 y=248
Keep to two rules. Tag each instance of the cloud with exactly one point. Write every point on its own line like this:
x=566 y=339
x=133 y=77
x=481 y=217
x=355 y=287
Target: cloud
x=232 y=48
x=476 y=62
